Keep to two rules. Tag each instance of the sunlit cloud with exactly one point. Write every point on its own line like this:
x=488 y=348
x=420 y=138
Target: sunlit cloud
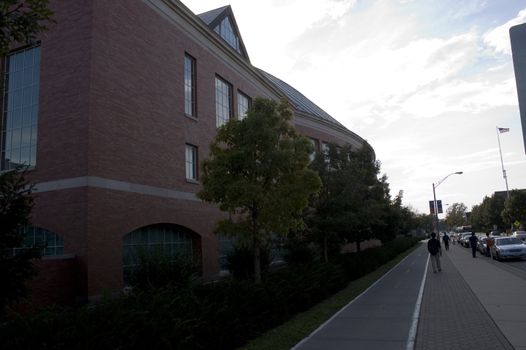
x=498 y=38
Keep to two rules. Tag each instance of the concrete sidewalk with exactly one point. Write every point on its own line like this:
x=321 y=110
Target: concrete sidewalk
x=498 y=288
x=451 y=315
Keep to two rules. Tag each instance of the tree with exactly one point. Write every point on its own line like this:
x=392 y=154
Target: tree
x=488 y=214
x=353 y=204
x=21 y=21
x=456 y=215
x=515 y=208
x=15 y=208
x=258 y=172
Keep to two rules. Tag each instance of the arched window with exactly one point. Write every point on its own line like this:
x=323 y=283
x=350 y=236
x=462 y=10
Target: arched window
x=51 y=243
x=171 y=240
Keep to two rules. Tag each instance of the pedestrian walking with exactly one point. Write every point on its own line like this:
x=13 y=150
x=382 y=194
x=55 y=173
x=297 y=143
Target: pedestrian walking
x=489 y=244
x=473 y=242
x=435 y=251
x=445 y=238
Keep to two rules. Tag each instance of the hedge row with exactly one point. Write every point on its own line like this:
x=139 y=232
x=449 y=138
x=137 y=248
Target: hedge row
x=221 y=315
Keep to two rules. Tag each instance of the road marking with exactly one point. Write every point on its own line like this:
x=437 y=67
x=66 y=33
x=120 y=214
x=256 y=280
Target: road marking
x=416 y=313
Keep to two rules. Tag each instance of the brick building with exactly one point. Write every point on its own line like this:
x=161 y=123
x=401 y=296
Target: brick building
x=113 y=110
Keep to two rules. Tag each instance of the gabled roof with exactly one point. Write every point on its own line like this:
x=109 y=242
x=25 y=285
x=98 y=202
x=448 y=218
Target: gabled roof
x=213 y=18
x=209 y=16
x=299 y=101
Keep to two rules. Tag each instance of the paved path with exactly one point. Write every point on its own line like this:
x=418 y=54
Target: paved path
x=472 y=304
x=451 y=316
x=380 y=318
x=500 y=288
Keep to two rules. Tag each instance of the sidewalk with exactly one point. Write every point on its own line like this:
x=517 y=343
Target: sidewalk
x=500 y=289
x=451 y=315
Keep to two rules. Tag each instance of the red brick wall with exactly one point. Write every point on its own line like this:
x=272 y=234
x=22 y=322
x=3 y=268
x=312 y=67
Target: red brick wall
x=57 y=282
x=111 y=107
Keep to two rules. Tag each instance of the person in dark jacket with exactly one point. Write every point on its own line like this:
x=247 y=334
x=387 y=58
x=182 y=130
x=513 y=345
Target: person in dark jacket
x=445 y=238
x=473 y=242
x=435 y=251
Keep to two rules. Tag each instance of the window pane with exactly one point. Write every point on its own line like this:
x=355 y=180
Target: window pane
x=189 y=85
x=191 y=162
x=162 y=239
x=20 y=105
x=243 y=104
x=223 y=102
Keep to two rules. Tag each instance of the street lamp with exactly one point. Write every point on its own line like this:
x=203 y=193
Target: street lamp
x=435 y=200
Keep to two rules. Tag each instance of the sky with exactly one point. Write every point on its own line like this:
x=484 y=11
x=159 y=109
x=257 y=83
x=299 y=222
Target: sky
x=425 y=82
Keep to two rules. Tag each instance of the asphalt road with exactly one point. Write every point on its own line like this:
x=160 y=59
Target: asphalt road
x=518 y=264
x=381 y=317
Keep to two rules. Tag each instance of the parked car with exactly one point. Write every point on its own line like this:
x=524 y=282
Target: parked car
x=464 y=239
x=508 y=248
x=481 y=245
x=520 y=235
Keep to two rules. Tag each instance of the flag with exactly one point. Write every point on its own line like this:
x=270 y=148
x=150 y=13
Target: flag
x=501 y=130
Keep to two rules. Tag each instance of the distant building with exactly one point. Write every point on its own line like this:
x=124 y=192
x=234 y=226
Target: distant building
x=518 y=47
x=114 y=110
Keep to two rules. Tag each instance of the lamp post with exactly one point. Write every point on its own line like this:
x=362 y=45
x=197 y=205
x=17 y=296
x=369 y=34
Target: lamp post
x=435 y=200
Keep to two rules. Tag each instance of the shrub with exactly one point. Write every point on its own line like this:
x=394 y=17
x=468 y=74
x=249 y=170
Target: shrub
x=240 y=262
x=218 y=315
x=156 y=269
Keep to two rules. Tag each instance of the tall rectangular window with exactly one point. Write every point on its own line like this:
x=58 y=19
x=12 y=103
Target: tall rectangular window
x=315 y=145
x=189 y=86
x=191 y=162
x=223 y=102
x=18 y=139
x=243 y=104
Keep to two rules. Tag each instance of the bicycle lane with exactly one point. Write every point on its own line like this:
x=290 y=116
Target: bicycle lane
x=383 y=317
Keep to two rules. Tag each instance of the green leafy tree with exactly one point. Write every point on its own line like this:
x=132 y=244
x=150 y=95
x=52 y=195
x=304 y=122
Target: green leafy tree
x=15 y=209
x=258 y=172
x=353 y=203
x=515 y=208
x=488 y=214
x=456 y=215
x=21 y=21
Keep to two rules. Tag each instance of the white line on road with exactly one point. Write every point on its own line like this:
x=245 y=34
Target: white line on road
x=416 y=313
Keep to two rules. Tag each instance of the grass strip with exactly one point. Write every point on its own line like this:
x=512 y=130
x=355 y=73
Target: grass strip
x=300 y=326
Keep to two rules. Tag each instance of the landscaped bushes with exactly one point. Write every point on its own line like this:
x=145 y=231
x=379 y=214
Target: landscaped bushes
x=220 y=315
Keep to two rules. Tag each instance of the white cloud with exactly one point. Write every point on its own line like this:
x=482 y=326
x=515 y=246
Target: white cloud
x=498 y=38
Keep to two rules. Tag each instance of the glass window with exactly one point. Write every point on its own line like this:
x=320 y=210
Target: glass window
x=243 y=104
x=223 y=102
x=18 y=139
x=170 y=240
x=226 y=30
x=189 y=86
x=50 y=243
x=315 y=146
x=191 y=162
x=226 y=246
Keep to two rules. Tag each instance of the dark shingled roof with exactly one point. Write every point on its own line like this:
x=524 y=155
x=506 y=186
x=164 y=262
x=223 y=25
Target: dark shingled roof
x=209 y=16
x=298 y=100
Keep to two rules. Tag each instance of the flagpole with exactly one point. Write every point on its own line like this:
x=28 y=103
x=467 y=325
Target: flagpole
x=502 y=164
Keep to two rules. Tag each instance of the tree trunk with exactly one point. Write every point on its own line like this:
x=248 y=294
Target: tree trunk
x=257 y=261
x=325 y=249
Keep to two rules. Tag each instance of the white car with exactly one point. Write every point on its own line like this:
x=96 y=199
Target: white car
x=508 y=248
x=520 y=235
